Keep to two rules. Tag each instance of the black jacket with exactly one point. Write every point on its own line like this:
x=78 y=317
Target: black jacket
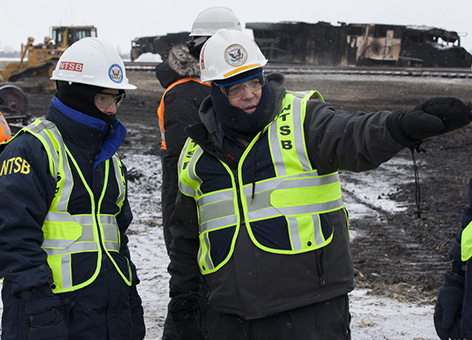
x=255 y=283
x=464 y=269
x=181 y=105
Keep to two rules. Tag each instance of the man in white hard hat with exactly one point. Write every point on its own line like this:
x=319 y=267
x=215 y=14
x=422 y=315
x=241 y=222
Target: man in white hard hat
x=178 y=109
x=64 y=253
x=179 y=74
x=260 y=211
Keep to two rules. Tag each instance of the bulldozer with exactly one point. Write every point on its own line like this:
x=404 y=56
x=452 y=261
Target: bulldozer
x=42 y=58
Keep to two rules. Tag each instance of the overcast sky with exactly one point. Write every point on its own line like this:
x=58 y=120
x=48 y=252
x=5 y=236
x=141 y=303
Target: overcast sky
x=121 y=21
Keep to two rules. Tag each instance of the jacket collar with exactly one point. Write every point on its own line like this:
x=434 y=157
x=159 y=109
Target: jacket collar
x=85 y=131
x=207 y=112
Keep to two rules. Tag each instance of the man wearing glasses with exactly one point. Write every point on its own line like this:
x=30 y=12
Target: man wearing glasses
x=64 y=253
x=260 y=212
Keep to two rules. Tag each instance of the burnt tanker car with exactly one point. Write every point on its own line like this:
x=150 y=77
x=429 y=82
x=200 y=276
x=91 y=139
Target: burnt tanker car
x=341 y=45
x=360 y=45
x=157 y=44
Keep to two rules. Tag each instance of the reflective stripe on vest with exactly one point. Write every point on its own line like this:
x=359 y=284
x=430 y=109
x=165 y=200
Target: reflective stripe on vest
x=66 y=234
x=187 y=162
x=297 y=192
x=466 y=243
x=161 y=109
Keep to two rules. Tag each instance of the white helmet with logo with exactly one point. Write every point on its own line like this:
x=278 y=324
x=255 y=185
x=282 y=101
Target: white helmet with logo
x=227 y=54
x=92 y=61
x=212 y=19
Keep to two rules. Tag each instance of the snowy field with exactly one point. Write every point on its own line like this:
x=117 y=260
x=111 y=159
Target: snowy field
x=372 y=317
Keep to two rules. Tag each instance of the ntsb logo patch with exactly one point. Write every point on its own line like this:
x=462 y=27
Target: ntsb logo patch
x=71 y=66
x=115 y=73
x=235 y=55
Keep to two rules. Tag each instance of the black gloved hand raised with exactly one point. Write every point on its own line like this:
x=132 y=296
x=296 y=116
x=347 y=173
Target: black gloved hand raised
x=433 y=117
x=448 y=310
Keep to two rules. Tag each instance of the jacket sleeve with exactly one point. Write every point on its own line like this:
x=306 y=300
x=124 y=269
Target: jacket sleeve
x=27 y=189
x=181 y=104
x=183 y=267
x=124 y=219
x=458 y=266
x=340 y=140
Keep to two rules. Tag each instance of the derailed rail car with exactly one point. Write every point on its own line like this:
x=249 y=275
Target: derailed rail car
x=360 y=44
x=157 y=44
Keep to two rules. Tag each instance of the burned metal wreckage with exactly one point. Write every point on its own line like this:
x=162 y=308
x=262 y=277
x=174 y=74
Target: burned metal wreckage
x=360 y=44
x=341 y=45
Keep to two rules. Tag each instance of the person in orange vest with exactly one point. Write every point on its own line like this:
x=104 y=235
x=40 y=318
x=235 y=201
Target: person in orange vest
x=179 y=74
x=5 y=132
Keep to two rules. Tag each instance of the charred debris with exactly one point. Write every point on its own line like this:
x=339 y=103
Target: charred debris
x=325 y=44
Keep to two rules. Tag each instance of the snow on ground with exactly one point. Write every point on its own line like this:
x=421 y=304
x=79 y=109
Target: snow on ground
x=149 y=57
x=372 y=317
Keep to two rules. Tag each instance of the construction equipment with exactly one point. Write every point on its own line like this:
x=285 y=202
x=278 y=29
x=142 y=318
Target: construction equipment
x=42 y=58
x=13 y=105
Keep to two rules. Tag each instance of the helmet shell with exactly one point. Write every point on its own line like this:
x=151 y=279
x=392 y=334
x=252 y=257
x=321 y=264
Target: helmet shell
x=229 y=53
x=92 y=61
x=212 y=19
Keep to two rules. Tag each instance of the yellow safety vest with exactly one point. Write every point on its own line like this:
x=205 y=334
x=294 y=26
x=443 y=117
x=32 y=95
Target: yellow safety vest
x=466 y=243
x=296 y=192
x=66 y=234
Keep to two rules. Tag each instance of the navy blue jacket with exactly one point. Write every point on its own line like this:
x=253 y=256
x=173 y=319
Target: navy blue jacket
x=97 y=311
x=464 y=268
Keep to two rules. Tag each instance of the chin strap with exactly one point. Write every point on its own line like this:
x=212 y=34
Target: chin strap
x=418 y=149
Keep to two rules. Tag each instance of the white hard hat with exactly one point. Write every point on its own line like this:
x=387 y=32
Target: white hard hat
x=214 y=18
x=92 y=61
x=229 y=53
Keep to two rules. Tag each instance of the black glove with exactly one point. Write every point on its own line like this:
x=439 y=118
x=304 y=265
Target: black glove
x=188 y=328
x=137 y=314
x=45 y=316
x=183 y=309
x=448 y=310
x=433 y=117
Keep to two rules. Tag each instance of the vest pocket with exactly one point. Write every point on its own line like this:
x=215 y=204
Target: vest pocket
x=215 y=246
x=293 y=234
x=60 y=234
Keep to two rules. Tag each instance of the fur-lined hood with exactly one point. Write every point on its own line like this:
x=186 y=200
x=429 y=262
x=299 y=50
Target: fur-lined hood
x=182 y=62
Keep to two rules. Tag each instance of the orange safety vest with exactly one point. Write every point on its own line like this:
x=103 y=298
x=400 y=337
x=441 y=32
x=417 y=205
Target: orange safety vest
x=160 y=109
x=5 y=132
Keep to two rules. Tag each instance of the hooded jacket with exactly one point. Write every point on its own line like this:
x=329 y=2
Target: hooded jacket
x=107 y=301
x=255 y=283
x=181 y=104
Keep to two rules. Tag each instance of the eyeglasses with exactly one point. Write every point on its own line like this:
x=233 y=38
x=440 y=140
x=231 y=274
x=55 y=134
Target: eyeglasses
x=237 y=90
x=103 y=100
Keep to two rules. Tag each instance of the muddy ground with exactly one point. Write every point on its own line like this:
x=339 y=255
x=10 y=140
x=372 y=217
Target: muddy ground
x=402 y=255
